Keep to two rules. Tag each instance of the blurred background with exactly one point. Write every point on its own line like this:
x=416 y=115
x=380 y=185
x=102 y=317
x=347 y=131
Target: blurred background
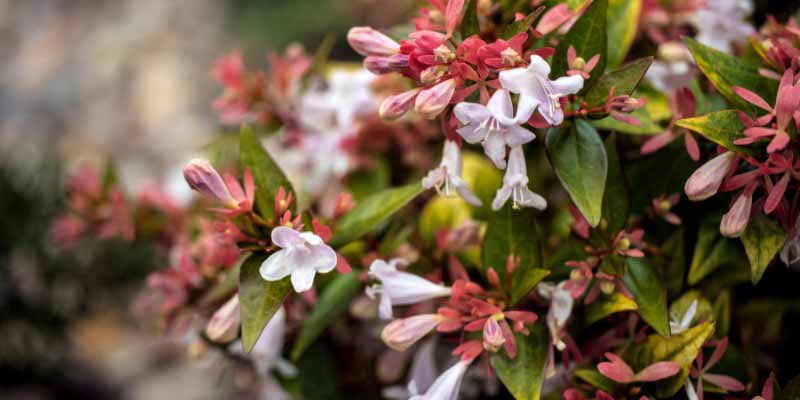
x=126 y=81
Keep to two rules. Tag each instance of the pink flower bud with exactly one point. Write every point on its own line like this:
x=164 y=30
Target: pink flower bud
x=202 y=177
x=705 y=181
x=492 y=335
x=400 y=334
x=224 y=325
x=380 y=65
x=369 y=42
x=735 y=220
x=397 y=105
x=432 y=101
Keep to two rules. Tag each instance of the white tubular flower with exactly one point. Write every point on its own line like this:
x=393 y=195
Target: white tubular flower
x=302 y=256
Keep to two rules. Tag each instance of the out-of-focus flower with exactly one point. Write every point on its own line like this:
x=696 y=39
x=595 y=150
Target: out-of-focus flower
x=302 y=255
x=401 y=334
x=400 y=288
x=494 y=126
x=722 y=22
x=706 y=180
x=447 y=176
x=515 y=185
x=421 y=376
x=790 y=253
x=682 y=103
x=668 y=76
x=447 y=385
x=677 y=326
x=397 y=105
x=578 y=65
x=560 y=310
x=538 y=91
x=224 y=324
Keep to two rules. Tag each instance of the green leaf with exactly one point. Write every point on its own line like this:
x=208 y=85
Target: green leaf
x=470 y=25
x=596 y=379
x=525 y=279
x=616 y=202
x=578 y=157
x=647 y=288
x=623 y=80
x=440 y=213
x=522 y=25
x=623 y=20
x=371 y=211
x=258 y=299
x=712 y=251
x=523 y=375
x=331 y=305
x=721 y=127
x=722 y=313
x=672 y=263
x=319 y=378
x=681 y=349
x=588 y=37
x=607 y=305
x=267 y=175
x=516 y=233
x=725 y=71
x=762 y=240
x=647 y=127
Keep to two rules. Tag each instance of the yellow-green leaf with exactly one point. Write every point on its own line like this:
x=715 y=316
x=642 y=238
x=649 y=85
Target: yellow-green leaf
x=623 y=20
x=267 y=175
x=624 y=81
x=523 y=375
x=607 y=305
x=721 y=127
x=762 y=240
x=647 y=288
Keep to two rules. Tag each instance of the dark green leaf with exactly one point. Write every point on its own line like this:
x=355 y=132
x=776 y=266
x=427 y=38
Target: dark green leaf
x=319 y=377
x=721 y=127
x=607 y=305
x=792 y=390
x=616 y=203
x=266 y=173
x=722 y=313
x=333 y=302
x=579 y=160
x=623 y=80
x=623 y=20
x=258 y=299
x=588 y=37
x=512 y=232
x=371 y=211
x=647 y=288
x=712 y=251
x=522 y=25
x=523 y=375
x=762 y=240
x=725 y=71
x=469 y=25
x=525 y=279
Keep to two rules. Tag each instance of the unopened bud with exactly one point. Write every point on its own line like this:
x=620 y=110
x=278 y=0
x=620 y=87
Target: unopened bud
x=369 y=42
x=624 y=244
x=493 y=338
x=734 y=222
x=705 y=181
x=673 y=52
x=510 y=57
x=202 y=177
x=443 y=54
x=432 y=101
x=380 y=65
x=401 y=334
x=395 y=106
x=578 y=64
x=607 y=287
x=432 y=74
x=224 y=324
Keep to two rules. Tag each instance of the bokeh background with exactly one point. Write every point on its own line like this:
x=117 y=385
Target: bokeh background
x=126 y=81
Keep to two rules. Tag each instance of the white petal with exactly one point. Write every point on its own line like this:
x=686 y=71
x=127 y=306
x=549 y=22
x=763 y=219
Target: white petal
x=385 y=307
x=311 y=238
x=501 y=197
x=473 y=133
x=567 y=85
x=553 y=113
x=276 y=266
x=471 y=113
x=531 y=199
x=447 y=385
x=525 y=108
x=539 y=66
x=284 y=237
x=467 y=195
x=516 y=165
x=517 y=80
x=517 y=136
x=322 y=258
x=303 y=279
x=495 y=148
x=501 y=108
x=433 y=178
